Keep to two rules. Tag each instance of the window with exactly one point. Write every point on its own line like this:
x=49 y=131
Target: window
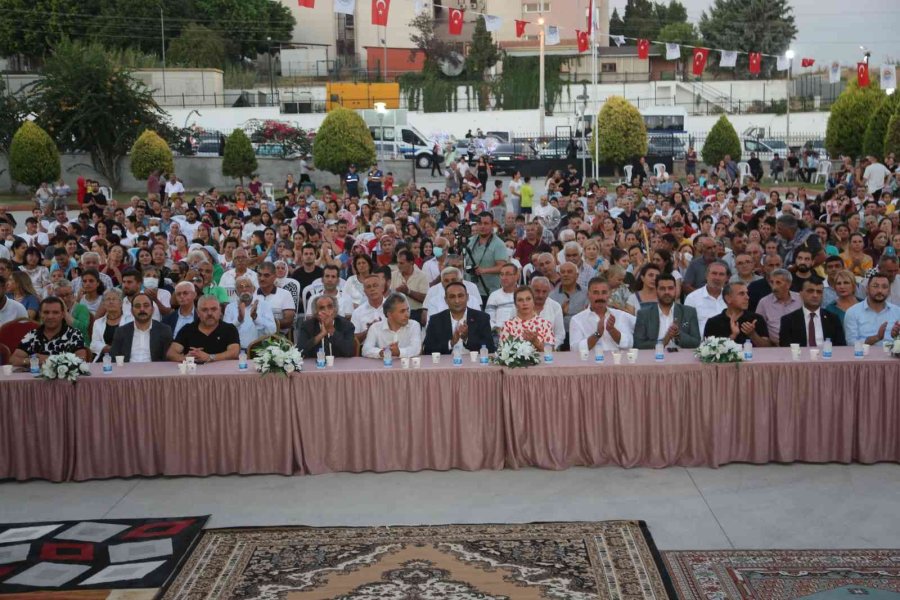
x=608 y=67
x=535 y=7
x=411 y=138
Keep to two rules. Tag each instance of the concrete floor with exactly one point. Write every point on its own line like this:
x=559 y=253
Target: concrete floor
x=737 y=506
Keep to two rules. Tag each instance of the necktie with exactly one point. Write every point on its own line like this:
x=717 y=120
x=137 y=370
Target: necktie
x=811 y=331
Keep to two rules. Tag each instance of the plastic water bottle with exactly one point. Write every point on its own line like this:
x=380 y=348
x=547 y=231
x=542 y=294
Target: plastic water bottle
x=320 y=358
x=827 y=348
x=483 y=355
x=548 y=354
x=660 y=351
x=35 y=365
x=748 y=350
x=598 y=354
x=242 y=360
x=457 y=355
x=388 y=358
x=858 y=350
x=107 y=363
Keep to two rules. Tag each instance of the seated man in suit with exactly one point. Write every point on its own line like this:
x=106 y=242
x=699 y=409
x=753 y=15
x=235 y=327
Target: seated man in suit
x=143 y=339
x=459 y=322
x=674 y=324
x=737 y=321
x=795 y=326
x=324 y=327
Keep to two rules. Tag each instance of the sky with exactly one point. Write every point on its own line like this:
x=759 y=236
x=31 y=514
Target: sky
x=831 y=30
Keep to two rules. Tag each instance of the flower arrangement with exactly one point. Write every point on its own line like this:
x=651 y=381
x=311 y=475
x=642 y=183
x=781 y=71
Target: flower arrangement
x=719 y=350
x=277 y=355
x=67 y=366
x=895 y=347
x=515 y=352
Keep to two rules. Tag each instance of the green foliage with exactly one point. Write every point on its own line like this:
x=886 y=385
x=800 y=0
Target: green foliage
x=621 y=130
x=12 y=114
x=892 y=137
x=645 y=19
x=431 y=90
x=198 y=47
x=849 y=118
x=239 y=159
x=342 y=140
x=150 y=153
x=765 y=26
x=873 y=141
x=722 y=140
x=518 y=87
x=681 y=33
x=33 y=157
x=424 y=39
x=483 y=53
x=616 y=24
x=293 y=140
x=88 y=104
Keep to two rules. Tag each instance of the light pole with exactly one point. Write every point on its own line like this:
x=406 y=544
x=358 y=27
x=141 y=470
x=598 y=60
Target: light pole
x=789 y=55
x=271 y=75
x=541 y=77
x=381 y=109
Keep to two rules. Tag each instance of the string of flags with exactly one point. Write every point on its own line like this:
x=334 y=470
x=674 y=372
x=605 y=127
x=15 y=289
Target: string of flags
x=552 y=37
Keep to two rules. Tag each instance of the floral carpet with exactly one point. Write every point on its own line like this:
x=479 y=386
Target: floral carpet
x=785 y=574
x=567 y=561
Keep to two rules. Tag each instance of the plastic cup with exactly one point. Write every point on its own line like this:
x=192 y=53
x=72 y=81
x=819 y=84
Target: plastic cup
x=813 y=354
x=436 y=357
x=120 y=361
x=189 y=360
x=633 y=355
x=866 y=348
x=329 y=361
x=404 y=362
x=617 y=358
x=416 y=362
x=473 y=356
x=7 y=370
x=584 y=353
x=183 y=368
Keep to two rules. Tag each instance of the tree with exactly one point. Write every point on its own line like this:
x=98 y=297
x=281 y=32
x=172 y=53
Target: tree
x=892 y=137
x=640 y=20
x=239 y=159
x=483 y=54
x=622 y=133
x=150 y=153
x=765 y=26
x=33 y=157
x=342 y=140
x=12 y=114
x=849 y=117
x=680 y=33
x=424 y=40
x=722 y=140
x=616 y=24
x=873 y=140
x=88 y=104
x=198 y=47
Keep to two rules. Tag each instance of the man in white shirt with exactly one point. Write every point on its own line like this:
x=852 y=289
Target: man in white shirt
x=251 y=314
x=241 y=261
x=174 y=187
x=611 y=328
x=281 y=301
x=434 y=299
x=548 y=308
x=329 y=284
x=397 y=333
x=142 y=340
x=370 y=311
x=501 y=306
x=10 y=310
x=33 y=236
x=875 y=176
x=184 y=313
x=708 y=300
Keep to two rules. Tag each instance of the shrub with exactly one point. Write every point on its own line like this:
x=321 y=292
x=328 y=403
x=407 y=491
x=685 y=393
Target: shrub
x=892 y=137
x=150 y=153
x=849 y=117
x=873 y=141
x=33 y=156
x=342 y=140
x=621 y=130
x=239 y=159
x=722 y=140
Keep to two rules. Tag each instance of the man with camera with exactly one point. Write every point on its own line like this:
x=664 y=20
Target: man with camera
x=485 y=255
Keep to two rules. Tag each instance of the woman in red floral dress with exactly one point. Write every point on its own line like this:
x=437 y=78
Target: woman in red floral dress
x=527 y=325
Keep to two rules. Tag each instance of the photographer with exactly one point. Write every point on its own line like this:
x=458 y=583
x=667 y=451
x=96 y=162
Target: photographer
x=485 y=255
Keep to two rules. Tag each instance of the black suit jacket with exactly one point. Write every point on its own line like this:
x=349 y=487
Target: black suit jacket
x=341 y=344
x=794 y=328
x=439 y=332
x=160 y=339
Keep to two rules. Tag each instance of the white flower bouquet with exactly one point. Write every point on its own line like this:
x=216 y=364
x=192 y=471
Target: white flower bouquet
x=515 y=352
x=65 y=366
x=895 y=347
x=277 y=355
x=719 y=350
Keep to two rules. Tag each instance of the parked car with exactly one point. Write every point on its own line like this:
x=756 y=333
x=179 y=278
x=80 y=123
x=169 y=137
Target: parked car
x=765 y=149
x=665 y=145
x=507 y=158
x=558 y=148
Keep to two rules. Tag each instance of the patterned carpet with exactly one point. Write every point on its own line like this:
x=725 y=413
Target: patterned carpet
x=785 y=574
x=566 y=561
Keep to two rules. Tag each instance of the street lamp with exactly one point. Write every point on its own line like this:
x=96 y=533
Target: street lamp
x=541 y=77
x=381 y=109
x=271 y=75
x=789 y=55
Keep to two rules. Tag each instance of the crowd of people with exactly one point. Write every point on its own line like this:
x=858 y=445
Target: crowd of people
x=367 y=269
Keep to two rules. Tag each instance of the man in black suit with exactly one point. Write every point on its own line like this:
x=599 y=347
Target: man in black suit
x=458 y=322
x=143 y=339
x=795 y=326
x=325 y=328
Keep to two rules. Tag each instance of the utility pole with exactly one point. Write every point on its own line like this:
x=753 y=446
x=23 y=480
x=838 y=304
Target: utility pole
x=162 y=29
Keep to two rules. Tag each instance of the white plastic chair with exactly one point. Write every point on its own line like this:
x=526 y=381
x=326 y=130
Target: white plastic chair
x=824 y=170
x=268 y=190
x=743 y=171
x=659 y=169
x=628 y=170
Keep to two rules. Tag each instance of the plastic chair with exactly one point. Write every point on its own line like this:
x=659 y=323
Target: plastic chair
x=743 y=171
x=268 y=190
x=659 y=169
x=824 y=170
x=11 y=333
x=629 y=169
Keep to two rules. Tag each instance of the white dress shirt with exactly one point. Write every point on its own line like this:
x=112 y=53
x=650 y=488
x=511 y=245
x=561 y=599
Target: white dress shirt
x=584 y=325
x=230 y=276
x=500 y=307
x=251 y=329
x=817 y=323
x=665 y=321
x=140 y=345
x=408 y=338
x=706 y=305
x=365 y=314
x=435 y=303
x=553 y=312
x=279 y=301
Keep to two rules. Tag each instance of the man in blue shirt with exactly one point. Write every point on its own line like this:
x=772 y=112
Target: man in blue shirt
x=875 y=319
x=351 y=182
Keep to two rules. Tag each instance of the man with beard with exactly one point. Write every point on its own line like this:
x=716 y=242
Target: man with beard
x=599 y=323
x=876 y=319
x=803 y=269
x=143 y=339
x=673 y=324
x=791 y=238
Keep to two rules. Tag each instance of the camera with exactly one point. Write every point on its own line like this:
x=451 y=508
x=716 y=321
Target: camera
x=463 y=231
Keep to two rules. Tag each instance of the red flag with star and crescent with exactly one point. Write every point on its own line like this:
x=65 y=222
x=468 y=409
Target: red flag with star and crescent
x=807 y=62
x=755 y=62
x=380 y=9
x=644 y=49
x=520 y=28
x=700 y=56
x=583 y=40
x=862 y=74
x=456 y=21
x=307 y=3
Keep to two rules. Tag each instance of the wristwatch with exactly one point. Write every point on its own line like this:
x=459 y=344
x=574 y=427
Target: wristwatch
x=212 y=358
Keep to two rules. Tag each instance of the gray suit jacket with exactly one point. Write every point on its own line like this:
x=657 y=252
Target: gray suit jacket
x=646 y=329
x=160 y=339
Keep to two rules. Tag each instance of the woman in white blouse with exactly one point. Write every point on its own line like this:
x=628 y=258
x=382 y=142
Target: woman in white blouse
x=105 y=327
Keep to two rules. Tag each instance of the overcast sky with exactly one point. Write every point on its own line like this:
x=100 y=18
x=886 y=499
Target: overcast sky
x=832 y=29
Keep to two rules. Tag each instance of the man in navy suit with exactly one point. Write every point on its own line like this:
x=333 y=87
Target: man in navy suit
x=458 y=323
x=795 y=326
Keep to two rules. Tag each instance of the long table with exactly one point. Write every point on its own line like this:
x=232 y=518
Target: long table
x=358 y=416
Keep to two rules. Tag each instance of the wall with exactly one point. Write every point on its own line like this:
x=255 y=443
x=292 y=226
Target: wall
x=183 y=86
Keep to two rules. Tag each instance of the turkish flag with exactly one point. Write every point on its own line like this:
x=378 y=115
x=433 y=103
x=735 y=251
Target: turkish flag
x=644 y=49
x=700 y=56
x=380 y=10
x=520 y=28
x=862 y=74
x=807 y=62
x=755 y=62
x=307 y=3
x=456 y=21
x=583 y=40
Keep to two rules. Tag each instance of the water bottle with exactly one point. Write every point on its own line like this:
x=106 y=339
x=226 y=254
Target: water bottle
x=35 y=365
x=107 y=363
x=827 y=348
x=858 y=350
x=483 y=355
x=457 y=355
x=242 y=360
x=320 y=358
x=748 y=350
x=388 y=357
x=598 y=354
x=548 y=353
x=660 y=351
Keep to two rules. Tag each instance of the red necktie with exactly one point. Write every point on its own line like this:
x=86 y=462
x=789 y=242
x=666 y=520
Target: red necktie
x=811 y=332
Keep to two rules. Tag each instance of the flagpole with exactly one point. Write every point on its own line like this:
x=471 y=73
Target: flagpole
x=595 y=168
x=541 y=77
